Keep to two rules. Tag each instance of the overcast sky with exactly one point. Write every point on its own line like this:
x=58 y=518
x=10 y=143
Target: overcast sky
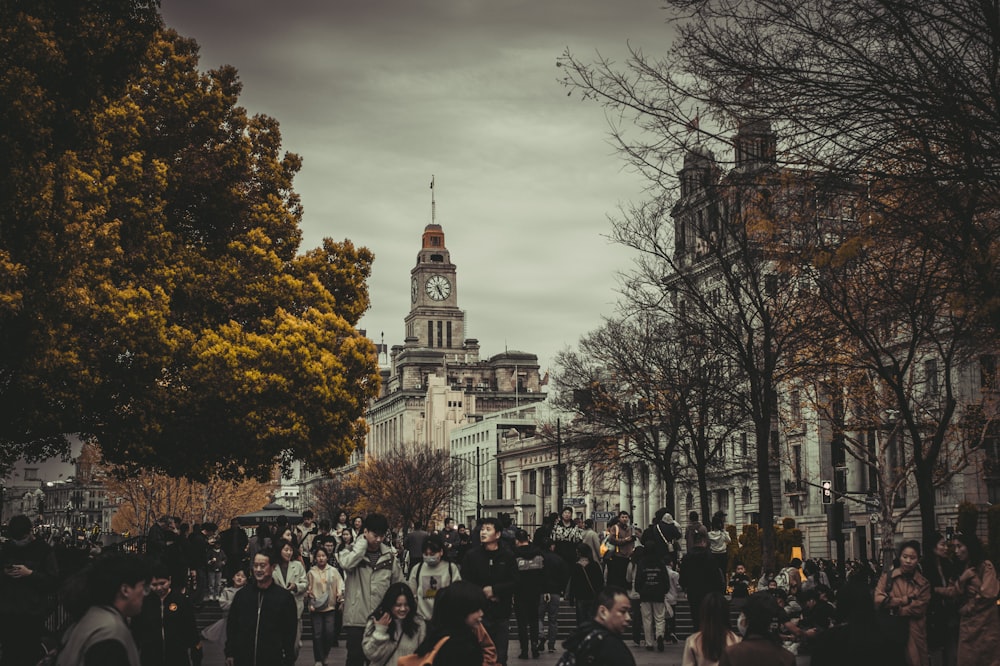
x=378 y=96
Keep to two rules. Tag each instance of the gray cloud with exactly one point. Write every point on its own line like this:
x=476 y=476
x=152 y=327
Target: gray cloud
x=377 y=96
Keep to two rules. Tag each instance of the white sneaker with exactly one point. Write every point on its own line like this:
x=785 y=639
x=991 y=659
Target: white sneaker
x=318 y=663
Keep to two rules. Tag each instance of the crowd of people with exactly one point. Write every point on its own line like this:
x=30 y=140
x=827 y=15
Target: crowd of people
x=448 y=596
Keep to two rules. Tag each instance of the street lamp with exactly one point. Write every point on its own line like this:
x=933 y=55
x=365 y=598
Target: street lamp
x=478 y=464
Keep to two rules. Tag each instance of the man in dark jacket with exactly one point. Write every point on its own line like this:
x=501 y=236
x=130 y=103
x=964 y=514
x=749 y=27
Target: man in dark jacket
x=165 y=629
x=262 y=620
x=29 y=575
x=198 y=558
x=700 y=575
x=528 y=592
x=495 y=570
x=234 y=542
x=662 y=538
x=599 y=642
x=556 y=581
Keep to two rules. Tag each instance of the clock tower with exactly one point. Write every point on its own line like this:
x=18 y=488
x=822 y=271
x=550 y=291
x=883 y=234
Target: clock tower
x=435 y=320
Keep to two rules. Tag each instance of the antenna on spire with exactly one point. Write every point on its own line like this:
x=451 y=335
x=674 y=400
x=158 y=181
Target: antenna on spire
x=433 y=204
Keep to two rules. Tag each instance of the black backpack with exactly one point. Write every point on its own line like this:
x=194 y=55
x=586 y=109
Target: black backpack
x=584 y=653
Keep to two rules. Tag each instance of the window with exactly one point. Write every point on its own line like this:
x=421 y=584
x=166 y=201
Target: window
x=931 y=376
x=448 y=329
x=744 y=445
x=513 y=487
x=771 y=285
x=795 y=405
x=579 y=480
x=533 y=481
x=430 y=334
x=440 y=336
x=31 y=474
x=547 y=481
x=746 y=495
x=988 y=371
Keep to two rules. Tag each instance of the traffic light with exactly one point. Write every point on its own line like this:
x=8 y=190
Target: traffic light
x=827 y=491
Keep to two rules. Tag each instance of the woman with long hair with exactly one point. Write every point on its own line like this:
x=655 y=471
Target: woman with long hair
x=456 y=635
x=942 y=613
x=856 y=639
x=760 y=644
x=905 y=592
x=979 y=625
x=705 y=647
x=291 y=575
x=394 y=629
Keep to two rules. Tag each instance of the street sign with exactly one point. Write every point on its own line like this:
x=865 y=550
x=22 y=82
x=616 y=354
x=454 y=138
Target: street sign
x=874 y=518
x=873 y=503
x=602 y=516
x=847 y=525
x=573 y=501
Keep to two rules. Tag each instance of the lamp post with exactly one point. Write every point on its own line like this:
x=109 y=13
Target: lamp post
x=478 y=464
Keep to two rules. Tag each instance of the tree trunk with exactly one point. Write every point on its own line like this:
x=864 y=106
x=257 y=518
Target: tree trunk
x=925 y=496
x=765 y=501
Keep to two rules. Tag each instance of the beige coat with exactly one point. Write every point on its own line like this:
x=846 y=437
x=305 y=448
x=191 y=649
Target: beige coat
x=979 y=623
x=911 y=595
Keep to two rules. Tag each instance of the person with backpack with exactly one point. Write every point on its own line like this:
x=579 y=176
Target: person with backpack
x=652 y=581
x=598 y=640
x=585 y=580
x=431 y=575
x=528 y=592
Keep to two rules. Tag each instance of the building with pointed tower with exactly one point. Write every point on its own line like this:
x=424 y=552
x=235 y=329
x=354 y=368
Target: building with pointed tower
x=435 y=381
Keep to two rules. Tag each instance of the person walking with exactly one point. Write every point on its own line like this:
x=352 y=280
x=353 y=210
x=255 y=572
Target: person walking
x=760 y=645
x=699 y=575
x=30 y=574
x=905 y=592
x=566 y=536
x=528 y=592
x=622 y=536
x=369 y=567
x=599 y=637
x=215 y=565
x=413 y=545
x=455 y=635
x=324 y=592
x=261 y=625
x=590 y=537
x=556 y=580
x=116 y=586
x=942 y=612
x=718 y=542
x=979 y=624
x=652 y=581
x=165 y=629
x=431 y=575
x=216 y=632
x=394 y=628
x=494 y=569
x=705 y=647
x=234 y=544
x=662 y=537
x=291 y=575
x=694 y=526
x=305 y=533
x=585 y=580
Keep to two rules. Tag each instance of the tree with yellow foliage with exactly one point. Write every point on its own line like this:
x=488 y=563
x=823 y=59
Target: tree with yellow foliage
x=153 y=296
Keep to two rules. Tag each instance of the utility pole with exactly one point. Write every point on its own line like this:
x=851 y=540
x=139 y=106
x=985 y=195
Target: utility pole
x=559 y=467
x=479 y=491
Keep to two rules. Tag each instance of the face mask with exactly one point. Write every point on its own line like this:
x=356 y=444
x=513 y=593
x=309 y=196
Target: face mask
x=741 y=624
x=432 y=560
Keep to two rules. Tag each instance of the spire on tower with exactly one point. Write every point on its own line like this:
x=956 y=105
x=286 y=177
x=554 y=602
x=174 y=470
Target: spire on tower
x=433 y=204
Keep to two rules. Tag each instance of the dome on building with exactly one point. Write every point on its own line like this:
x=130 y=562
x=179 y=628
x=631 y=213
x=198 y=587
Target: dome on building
x=699 y=157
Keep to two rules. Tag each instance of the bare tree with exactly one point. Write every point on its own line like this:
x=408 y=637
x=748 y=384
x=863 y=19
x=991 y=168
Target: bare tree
x=409 y=485
x=331 y=496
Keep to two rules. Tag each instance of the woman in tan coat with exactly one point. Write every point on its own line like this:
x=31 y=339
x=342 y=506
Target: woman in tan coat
x=979 y=624
x=908 y=593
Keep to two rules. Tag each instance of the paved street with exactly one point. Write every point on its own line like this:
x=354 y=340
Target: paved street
x=670 y=657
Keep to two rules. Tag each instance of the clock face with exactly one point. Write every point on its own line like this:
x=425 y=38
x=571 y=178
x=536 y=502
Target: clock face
x=438 y=287
x=413 y=290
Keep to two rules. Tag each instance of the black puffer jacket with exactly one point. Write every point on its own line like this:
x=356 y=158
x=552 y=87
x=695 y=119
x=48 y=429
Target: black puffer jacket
x=260 y=630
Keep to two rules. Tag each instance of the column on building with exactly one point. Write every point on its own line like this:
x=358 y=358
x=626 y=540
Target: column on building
x=731 y=513
x=655 y=495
